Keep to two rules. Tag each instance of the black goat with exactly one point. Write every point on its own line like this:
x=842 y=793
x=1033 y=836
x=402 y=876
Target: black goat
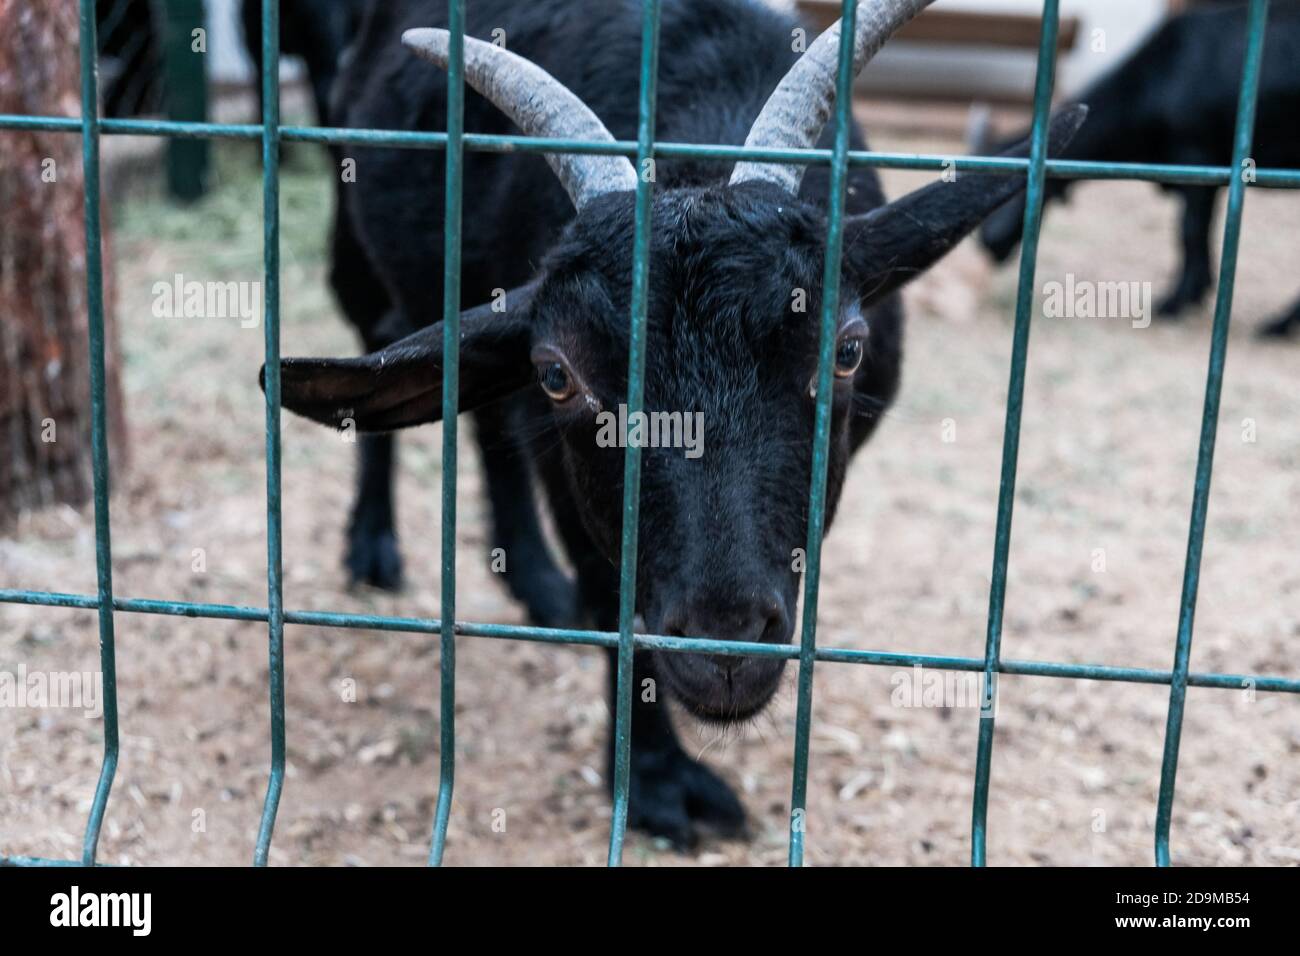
x=316 y=30
x=732 y=330
x=1174 y=100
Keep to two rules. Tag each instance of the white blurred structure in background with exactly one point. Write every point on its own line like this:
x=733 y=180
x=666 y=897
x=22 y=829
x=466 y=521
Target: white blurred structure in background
x=1108 y=30
x=228 y=62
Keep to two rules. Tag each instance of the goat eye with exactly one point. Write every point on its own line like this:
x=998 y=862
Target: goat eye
x=848 y=356
x=556 y=381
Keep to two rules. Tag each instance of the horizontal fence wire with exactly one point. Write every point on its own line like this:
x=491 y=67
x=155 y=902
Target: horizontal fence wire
x=659 y=642
x=455 y=141
x=499 y=143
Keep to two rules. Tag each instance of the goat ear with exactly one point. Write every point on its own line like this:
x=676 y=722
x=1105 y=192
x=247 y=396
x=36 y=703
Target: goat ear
x=893 y=244
x=401 y=385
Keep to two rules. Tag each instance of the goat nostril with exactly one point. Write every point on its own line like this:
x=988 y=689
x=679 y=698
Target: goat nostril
x=774 y=630
x=774 y=621
x=765 y=620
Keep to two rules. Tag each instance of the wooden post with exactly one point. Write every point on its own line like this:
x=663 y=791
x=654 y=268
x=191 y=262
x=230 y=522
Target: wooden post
x=44 y=376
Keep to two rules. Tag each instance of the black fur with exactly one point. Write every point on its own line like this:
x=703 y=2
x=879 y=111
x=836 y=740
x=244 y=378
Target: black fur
x=1174 y=100
x=732 y=333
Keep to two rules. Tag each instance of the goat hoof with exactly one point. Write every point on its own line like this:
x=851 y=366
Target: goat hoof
x=675 y=797
x=546 y=592
x=1171 y=306
x=373 y=559
x=1279 y=329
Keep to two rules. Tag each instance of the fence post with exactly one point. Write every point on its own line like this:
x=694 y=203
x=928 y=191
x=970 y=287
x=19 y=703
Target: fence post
x=186 y=72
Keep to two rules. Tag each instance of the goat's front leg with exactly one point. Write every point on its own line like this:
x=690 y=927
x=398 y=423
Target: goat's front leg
x=529 y=569
x=670 y=794
x=1284 y=325
x=1196 y=277
x=372 y=555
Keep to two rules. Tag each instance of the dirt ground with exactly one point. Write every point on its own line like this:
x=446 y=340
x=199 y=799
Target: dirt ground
x=1108 y=449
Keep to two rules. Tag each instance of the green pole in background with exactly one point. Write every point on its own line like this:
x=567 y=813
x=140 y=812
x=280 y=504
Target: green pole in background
x=185 y=62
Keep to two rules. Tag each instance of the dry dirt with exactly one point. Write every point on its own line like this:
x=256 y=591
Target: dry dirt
x=1110 y=430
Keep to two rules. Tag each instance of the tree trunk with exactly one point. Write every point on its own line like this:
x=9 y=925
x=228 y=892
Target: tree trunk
x=45 y=409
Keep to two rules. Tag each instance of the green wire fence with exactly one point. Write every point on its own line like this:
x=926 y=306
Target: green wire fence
x=840 y=159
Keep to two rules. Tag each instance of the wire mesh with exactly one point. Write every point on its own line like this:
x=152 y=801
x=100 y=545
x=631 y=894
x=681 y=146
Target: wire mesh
x=455 y=140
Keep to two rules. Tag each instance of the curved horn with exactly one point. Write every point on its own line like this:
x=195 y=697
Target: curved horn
x=540 y=106
x=797 y=110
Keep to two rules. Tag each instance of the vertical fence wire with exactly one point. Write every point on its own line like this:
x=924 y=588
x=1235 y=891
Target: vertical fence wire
x=271 y=328
x=98 y=419
x=1043 y=84
x=455 y=171
x=821 y=435
x=632 y=454
x=1256 y=25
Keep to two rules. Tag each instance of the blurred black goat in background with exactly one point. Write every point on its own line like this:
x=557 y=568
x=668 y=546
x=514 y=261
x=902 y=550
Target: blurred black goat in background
x=1174 y=100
